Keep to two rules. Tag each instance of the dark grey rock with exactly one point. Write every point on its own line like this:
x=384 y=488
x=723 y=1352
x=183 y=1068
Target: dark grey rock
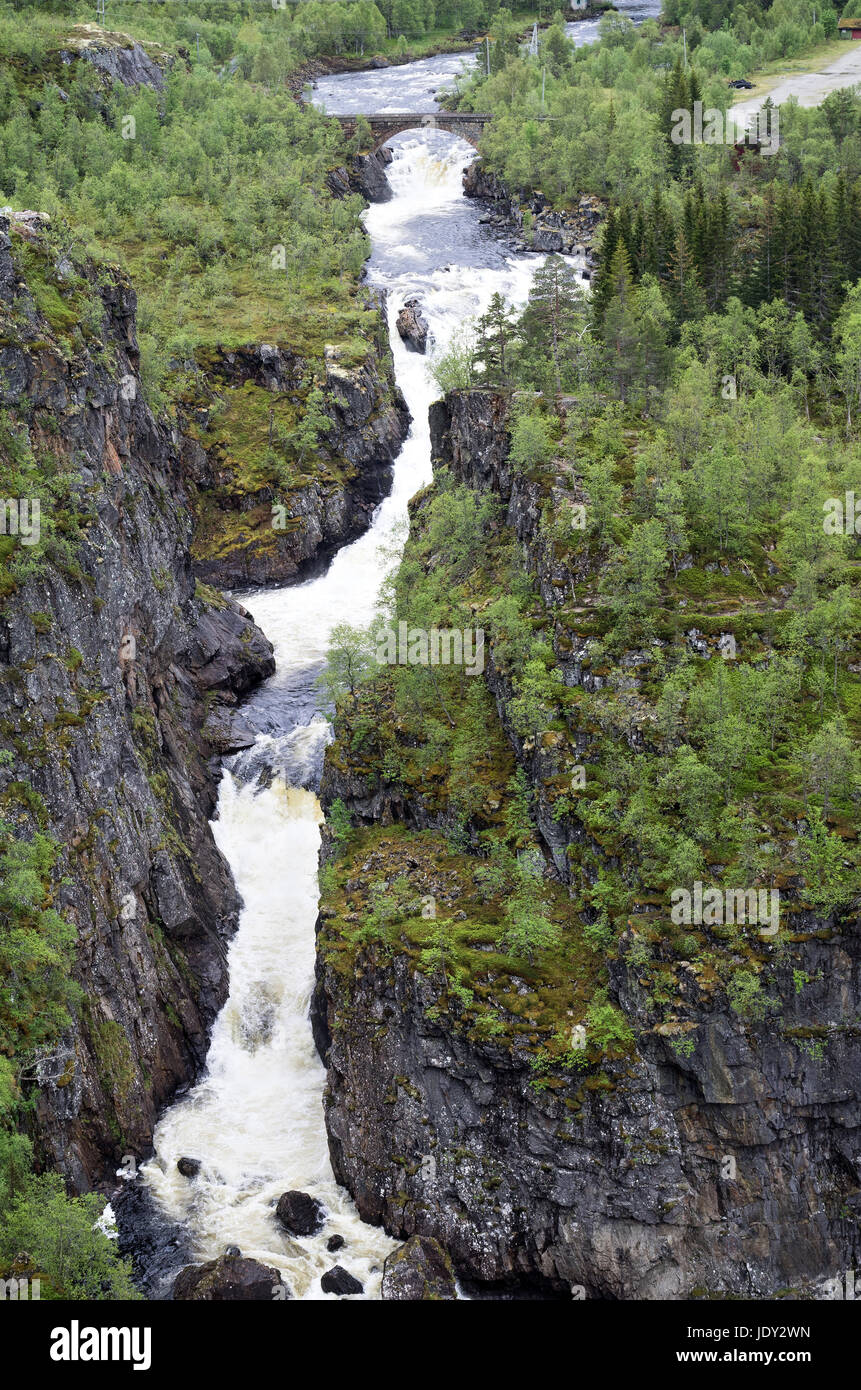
x=419 y=1270
x=413 y=326
x=128 y=659
x=230 y=1279
x=339 y=1280
x=116 y=56
x=300 y=1214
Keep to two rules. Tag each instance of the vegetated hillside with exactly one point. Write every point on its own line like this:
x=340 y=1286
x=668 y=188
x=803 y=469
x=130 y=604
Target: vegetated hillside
x=703 y=215
x=571 y=1084
x=286 y=44
x=142 y=463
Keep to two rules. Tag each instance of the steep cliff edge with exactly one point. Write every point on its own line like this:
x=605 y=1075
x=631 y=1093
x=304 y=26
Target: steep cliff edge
x=117 y=685
x=575 y=1093
x=283 y=468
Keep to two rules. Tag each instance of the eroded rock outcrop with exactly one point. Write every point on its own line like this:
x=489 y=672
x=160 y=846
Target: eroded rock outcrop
x=413 y=326
x=418 y=1270
x=240 y=429
x=366 y=175
x=117 y=57
x=535 y=225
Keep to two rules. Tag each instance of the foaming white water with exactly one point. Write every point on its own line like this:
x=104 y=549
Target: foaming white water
x=255 y=1121
x=454 y=270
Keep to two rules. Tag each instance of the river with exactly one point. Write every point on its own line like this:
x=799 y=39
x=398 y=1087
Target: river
x=414 y=86
x=255 y=1119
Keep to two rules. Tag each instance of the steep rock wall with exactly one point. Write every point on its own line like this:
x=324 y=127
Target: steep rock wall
x=110 y=667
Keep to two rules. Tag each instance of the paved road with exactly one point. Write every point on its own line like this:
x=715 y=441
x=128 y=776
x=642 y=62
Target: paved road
x=809 y=88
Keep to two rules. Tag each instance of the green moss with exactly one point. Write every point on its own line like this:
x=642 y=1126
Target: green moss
x=113 y=1055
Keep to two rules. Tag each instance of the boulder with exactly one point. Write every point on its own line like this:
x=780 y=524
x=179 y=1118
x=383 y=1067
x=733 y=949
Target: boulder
x=300 y=1214
x=230 y=1278
x=335 y=1243
x=189 y=1167
x=419 y=1269
x=413 y=326
x=547 y=239
x=340 y=1281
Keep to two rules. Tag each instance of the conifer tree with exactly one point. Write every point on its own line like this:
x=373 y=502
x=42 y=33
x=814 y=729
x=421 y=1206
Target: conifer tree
x=555 y=311
x=495 y=333
x=601 y=291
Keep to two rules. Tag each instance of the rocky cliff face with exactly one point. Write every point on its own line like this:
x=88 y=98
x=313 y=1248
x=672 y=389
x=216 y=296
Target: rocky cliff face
x=366 y=175
x=720 y=1155
x=264 y=515
x=733 y=1170
x=117 y=685
x=117 y=57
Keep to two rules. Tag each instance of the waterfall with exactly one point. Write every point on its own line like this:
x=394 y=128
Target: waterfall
x=255 y=1120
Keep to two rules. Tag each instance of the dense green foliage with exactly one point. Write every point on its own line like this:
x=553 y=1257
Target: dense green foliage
x=611 y=103
x=271 y=42
x=36 y=951
x=57 y=1237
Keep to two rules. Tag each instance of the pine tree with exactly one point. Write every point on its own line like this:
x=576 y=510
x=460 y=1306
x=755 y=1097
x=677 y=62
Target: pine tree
x=722 y=252
x=675 y=96
x=686 y=290
x=760 y=284
x=639 y=249
x=625 y=227
x=620 y=331
x=665 y=237
x=495 y=333
x=787 y=246
x=823 y=296
x=554 y=313
x=601 y=292
x=846 y=226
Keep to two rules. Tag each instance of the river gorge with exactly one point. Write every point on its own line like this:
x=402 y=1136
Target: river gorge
x=255 y=1120
x=627 y=1207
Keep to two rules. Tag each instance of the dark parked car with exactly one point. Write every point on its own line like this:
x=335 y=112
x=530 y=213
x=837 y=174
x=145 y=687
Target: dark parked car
x=741 y=82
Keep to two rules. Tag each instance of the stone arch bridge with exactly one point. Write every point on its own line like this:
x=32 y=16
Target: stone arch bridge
x=466 y=124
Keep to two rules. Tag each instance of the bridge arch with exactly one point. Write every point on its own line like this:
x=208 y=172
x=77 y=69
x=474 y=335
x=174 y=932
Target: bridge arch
x=466 y=125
